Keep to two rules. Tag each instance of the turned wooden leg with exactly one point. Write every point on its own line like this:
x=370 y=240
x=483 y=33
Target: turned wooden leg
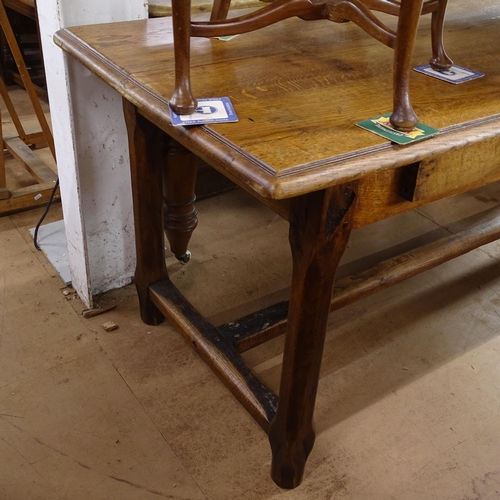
x=146 y=161
x=178 y=190
x=319 y=231
x=403 y=116
x=440 y=60
x=182 y=101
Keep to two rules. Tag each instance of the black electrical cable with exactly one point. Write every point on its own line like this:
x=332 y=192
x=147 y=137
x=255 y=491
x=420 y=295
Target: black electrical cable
x=47 y=208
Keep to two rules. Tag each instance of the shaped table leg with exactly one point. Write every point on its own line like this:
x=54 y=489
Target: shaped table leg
x=146 y=166
x=178 y=190
x=319 y=231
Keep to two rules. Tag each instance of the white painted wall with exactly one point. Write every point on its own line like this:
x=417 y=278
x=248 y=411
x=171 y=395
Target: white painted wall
x=92 y=151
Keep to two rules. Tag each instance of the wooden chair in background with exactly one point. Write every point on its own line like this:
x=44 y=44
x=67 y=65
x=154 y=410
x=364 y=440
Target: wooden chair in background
x=359 y=12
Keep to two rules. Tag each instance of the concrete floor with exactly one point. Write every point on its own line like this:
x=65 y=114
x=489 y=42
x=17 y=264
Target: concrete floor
x=408 y=404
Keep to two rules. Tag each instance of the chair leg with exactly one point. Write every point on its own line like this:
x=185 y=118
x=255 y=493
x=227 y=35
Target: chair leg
x=182 y=101
x=403 y=116
x=220 y=10
x=440 y=60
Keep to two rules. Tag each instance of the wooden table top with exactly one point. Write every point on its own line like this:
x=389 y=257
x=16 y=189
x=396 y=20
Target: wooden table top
x=298 y=89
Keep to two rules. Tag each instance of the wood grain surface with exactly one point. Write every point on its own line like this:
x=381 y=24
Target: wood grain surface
x=298 y=89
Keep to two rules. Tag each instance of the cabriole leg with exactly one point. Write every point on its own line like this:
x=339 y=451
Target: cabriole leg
x=319 y=231
x=440 y=60
x=403 y=116
x=182 y=101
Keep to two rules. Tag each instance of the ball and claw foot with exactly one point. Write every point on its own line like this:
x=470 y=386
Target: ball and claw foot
x=184 y=259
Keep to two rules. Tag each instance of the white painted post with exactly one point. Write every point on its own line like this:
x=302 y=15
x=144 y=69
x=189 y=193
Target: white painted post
x=92 y=151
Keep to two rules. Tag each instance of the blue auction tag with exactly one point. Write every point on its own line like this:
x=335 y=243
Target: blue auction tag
x=209 y=110
x=455 y=75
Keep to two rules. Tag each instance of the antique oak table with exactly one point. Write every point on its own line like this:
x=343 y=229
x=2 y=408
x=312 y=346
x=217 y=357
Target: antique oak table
x=296 y=149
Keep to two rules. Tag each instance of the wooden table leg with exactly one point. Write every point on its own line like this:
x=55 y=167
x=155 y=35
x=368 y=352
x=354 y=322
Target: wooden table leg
x=403 y=116
x=146 y=166
x=319 y=231
x=440 y=60
x=178 y=190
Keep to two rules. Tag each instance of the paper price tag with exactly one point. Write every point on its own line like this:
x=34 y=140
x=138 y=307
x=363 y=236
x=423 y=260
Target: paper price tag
x=381 y=126
x=455 y=75
x=209 y=110
x=226 y=38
